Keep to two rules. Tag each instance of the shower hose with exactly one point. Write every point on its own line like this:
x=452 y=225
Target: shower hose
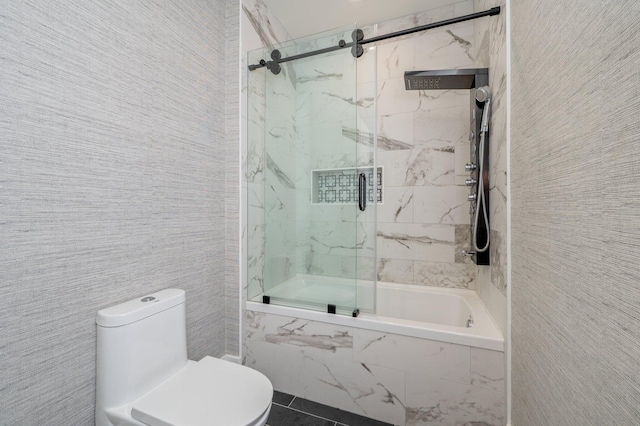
x=482 y=203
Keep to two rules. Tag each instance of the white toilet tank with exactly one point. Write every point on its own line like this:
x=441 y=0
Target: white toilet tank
x=141 y=343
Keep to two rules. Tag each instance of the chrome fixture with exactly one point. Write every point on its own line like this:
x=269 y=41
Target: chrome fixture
x=482 y=94
x=480 y=221
x=475 y=80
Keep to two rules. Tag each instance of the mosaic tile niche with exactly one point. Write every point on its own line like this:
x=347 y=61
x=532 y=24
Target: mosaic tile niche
x=340 y=186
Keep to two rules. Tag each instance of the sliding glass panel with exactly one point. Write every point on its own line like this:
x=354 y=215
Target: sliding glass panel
x=317 y=171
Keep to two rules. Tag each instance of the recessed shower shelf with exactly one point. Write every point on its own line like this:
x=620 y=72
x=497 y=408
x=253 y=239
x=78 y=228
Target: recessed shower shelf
x=340 y=186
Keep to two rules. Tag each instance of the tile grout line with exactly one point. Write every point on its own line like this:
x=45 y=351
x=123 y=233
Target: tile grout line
x=335 y=422
x=313 y=415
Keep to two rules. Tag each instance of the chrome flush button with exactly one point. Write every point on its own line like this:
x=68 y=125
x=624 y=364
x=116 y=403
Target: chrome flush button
x=147 y=299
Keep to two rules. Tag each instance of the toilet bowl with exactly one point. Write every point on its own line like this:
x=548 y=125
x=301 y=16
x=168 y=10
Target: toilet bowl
x=143 y=376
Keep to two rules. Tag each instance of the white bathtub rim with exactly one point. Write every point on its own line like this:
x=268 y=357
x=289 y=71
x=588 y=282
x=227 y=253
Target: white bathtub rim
x=485 y=334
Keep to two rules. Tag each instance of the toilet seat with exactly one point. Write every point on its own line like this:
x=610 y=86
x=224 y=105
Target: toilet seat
x=210 y=392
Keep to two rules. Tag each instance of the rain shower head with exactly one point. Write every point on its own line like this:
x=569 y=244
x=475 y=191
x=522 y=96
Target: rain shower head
x=442 y=79
x=482 y=94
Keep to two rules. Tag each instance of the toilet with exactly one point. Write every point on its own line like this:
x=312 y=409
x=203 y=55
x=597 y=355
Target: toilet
x=143 y=376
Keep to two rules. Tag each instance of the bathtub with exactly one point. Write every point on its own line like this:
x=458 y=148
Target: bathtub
x=449 y=315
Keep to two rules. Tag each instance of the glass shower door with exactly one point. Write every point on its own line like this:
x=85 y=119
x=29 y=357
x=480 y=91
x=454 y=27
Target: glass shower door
x=316 y=146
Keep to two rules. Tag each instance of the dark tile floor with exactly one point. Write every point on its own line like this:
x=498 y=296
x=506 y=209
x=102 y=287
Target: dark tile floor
x=289 y=410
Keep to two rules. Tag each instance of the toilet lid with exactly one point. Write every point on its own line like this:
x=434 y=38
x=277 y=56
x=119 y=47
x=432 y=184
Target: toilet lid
x=208 y=392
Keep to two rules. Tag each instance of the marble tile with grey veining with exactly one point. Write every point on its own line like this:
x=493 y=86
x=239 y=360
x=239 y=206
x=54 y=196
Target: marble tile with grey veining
x=279 y=174
x=365 y=271
x=392 y=98
x=358 y=136
x=395 y=131
x=417 y=19
x=418 y=167
x=413 y=355
x=430 y=166
x=395 y=270
x=255 y=260
x=279 y=268
x=333 y=265
x=323 y=101
x=331 y=213
x=451 y=275
x=441 y=204
x=498 y=198
x=438 y=127
x=451 y=48
x=487 y=369
x=264 y=23
x=439 y=402
x=279 y=207
x=339 y=238
x=255 y=164
x=268 y=30
x=254 y=170
x=284 y=365
x=463 y=242
x=309 y=335
x=254 y=325
x=255 y=232
x=394 y=58
x=498 y=262
x=328 y=149
x=432 y=102
x=368 y=390
x=397 y=206
x=303 y=260
x=416 y=242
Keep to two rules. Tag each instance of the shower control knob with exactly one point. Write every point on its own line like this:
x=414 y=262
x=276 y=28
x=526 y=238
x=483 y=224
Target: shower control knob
x=471 y=135
x=470 y=182
x=470 y=167
x=468 y=253
x=472 y=197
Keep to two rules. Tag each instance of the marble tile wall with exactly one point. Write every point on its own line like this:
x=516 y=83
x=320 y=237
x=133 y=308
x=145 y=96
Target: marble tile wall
x=317 y=114
x=260 y=28
x=392 y=378
x=422 y=145
x=280 y=166
x=335 y=114
x=490 y=51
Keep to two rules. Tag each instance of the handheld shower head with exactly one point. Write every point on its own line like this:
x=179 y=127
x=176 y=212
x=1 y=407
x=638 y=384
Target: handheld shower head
x=482 y=94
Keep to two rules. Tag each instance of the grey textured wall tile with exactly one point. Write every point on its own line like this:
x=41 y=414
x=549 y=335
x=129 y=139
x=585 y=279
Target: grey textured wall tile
x=575 y=222
x=232 y=178
x=112 y=185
